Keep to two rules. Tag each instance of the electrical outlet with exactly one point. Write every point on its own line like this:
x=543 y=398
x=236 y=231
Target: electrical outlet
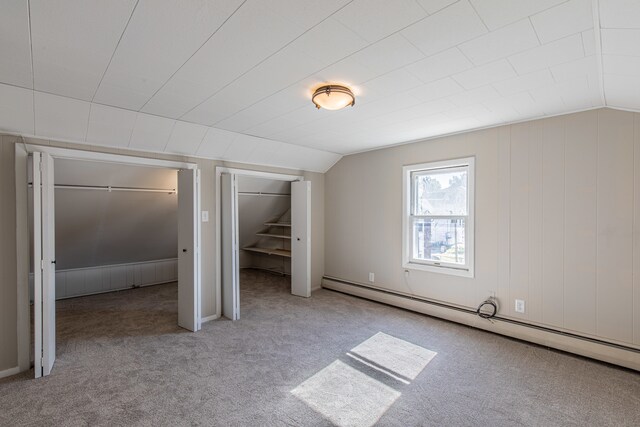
x=205 y=216
x=372 y=277
x=519 y=306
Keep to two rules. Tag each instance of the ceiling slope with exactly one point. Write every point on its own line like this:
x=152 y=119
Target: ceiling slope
x=231 y=79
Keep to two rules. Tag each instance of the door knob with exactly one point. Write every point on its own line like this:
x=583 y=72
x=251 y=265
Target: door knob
x=184 y=250
x=297 y=238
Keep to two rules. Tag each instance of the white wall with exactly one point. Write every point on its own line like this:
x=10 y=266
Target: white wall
x=557 y=222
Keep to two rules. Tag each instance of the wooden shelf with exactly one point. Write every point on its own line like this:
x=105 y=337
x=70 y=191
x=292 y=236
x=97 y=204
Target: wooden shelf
x=275 y=236
x=277 y=224
x=269 y=251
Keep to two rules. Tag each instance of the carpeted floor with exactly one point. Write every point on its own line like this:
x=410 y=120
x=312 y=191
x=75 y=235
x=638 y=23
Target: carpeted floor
x=123 y=361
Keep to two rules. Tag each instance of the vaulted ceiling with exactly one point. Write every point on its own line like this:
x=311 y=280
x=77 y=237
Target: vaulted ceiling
x=232 y=79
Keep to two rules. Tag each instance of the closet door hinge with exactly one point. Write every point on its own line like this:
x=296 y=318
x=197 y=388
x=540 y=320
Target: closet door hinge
x=41 y=264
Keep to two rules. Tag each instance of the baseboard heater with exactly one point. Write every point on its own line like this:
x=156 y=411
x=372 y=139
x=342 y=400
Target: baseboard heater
x=617 y=354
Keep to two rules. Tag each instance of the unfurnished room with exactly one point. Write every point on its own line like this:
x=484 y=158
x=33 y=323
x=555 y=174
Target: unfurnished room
x=314 y=213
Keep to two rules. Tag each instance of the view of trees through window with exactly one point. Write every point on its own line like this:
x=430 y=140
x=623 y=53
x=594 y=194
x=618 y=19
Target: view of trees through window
x=439 y=212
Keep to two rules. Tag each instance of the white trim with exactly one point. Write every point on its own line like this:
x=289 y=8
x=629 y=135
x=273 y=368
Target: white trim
x=237 y=171
x=209 y=318
x=11 y=371
x=547 y=338
x=23 y=257
x=444 y=268
x=73 y=154
x=597 y=33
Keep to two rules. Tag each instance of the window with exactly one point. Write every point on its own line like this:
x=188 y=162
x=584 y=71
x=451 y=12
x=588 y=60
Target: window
x=438 y=217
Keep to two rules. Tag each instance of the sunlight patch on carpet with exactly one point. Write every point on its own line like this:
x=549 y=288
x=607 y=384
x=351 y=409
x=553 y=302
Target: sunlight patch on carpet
x=395 y=355
x=346 y=396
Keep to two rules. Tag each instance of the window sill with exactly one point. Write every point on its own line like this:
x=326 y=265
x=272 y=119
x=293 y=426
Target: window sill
x=439 y=269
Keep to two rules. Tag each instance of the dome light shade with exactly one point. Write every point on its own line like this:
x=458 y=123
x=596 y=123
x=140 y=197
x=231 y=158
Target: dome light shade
x=333 y=97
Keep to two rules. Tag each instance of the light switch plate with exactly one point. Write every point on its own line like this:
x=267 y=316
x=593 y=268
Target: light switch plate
x=205 y=216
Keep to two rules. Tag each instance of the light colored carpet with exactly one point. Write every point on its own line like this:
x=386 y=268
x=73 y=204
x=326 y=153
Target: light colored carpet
x=123 y=361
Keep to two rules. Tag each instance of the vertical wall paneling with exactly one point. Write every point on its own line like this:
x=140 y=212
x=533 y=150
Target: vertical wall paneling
x=615 y=226
x=636 y=230
x=580 y=222
x=553 y=217
x=536 y=193
x=504 y=213
x=521 y=135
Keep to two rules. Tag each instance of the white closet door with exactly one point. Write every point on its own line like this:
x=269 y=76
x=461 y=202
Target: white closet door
x=44 y=302
x=229 y=233
x=301 y=238
x=188 y=250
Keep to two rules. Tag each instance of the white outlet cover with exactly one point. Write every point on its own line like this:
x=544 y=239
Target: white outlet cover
x=205 y=216
x=519 y=306
x=372 y=277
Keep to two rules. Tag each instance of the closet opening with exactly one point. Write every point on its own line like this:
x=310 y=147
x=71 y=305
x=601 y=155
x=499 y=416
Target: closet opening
x=115 y=253
x=264 y=236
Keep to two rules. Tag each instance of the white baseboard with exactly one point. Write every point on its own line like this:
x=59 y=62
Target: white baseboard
x=611 y=353
x=9 y=372
x=209 y=318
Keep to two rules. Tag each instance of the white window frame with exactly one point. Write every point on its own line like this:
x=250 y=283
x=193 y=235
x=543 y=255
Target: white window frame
x=408 y=262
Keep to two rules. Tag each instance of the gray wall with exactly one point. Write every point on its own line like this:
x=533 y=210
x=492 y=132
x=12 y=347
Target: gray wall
x=253 y=211
x=8 y=284
x=557 y=221
x=96 y=228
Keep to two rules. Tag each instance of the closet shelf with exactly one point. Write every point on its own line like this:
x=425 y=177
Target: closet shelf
x=277 y=224
x=269 y=251
x=275 y=236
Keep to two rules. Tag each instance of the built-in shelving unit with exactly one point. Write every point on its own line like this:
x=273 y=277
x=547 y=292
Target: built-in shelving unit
x=275 y=231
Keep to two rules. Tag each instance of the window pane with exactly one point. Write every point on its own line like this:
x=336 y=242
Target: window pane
x=440 y=240
x=441 y=192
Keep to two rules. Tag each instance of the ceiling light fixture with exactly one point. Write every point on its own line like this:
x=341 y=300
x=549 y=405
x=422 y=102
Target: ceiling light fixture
x=333 y=97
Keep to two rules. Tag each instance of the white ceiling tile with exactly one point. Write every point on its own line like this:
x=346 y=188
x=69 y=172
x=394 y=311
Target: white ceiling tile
x=474 y=96
x=563 y=20
x=623 y=91
x=498 y=44
x=160 y=37
x=110 y=126
x=621 y=42
x=619 y=13
x=524 y=82
x=624 y=65
x=15 y=48
x=151 y=132
x=469 y=111
x=266 y=152
x=16 y=109
x=375 y=19
x=545 y=56
x=386 y=55
x=498 y=13
x=433 y=6
x=215 y=143
x=232 y=51
x=575 y=69
x=447 y=28
x=60 y=117
x=388 y=84
x=485 y=74
x=326 y=43
x=436 y=90
x=185 y=138
x=72 y=45
x=241 y=148
x=438 y=66
x=575 y=93
x=589 y=42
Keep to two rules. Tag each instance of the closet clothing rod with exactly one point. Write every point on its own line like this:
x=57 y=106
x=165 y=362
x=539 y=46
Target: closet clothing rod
x=258 y=193
x=112 y=188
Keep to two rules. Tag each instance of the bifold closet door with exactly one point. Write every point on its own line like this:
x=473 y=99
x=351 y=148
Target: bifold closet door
x=229 y=247
x=188 y=250
x=301 y=238
x=44 y=269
